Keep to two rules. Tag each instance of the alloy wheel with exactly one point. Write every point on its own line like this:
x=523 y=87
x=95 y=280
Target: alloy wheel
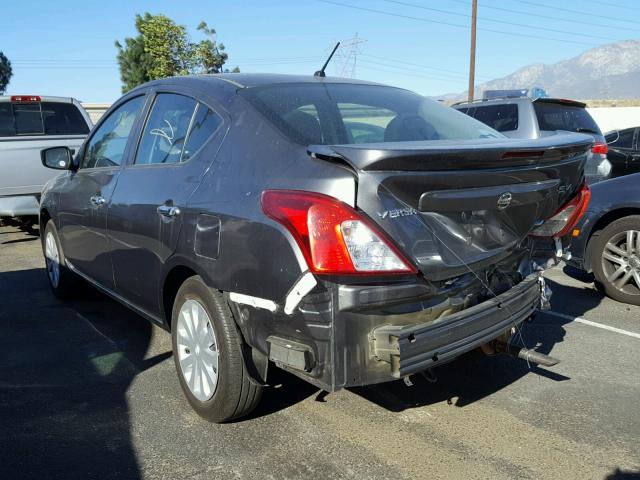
x=621 y=261
x=52 y=259
x=197 y=350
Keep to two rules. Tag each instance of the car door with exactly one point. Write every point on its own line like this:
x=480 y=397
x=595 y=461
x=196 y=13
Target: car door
x=621 y=151
x=634 y=160
x=84 y=197
x=148 y=206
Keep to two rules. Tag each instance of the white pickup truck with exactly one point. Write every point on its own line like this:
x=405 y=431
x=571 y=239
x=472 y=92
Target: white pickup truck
x=28 y=124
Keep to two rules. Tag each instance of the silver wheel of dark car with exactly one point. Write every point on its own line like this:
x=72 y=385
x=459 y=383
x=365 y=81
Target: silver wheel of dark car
x=207 y=350
x=616 y=264
x=197 y=350
x=52 y=259
x=621 y=261
x=64 y=283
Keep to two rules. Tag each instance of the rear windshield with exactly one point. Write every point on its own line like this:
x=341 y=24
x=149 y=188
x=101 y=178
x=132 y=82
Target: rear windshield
x=331 y=114
x=45 y=118
x=503 y=118
x=556 y=116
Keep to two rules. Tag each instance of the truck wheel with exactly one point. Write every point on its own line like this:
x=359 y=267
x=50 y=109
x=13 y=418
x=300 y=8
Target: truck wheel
x=207 y=350
x=616 y=259
x=64 y=283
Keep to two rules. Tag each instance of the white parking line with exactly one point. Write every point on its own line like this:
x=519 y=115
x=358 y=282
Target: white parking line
x=594 y=324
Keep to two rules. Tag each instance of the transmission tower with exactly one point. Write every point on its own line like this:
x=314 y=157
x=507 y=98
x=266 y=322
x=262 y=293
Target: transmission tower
x=346 y=56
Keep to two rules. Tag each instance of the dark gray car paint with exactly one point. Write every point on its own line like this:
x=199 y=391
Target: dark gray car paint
x=258 y=257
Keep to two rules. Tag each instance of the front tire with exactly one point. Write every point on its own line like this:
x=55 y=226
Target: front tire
x=63 y=282
x=207 y=351
x=616 y=259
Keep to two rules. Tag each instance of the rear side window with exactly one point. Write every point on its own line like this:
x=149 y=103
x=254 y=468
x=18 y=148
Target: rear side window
x=165 y=132
x=623 y=139
x=502 y=118
x=335 y=113
x=556 y=116
x=45 y=118
x=205 y=123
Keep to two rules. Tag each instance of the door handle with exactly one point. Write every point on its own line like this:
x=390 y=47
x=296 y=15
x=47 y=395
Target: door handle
x=98 y=200
x=167 y=211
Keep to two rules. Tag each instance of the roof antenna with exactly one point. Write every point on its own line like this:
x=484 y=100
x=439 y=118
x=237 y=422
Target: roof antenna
x=320 y=73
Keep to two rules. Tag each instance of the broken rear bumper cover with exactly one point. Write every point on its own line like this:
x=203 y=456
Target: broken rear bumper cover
x=412 y=349
x=354 y=335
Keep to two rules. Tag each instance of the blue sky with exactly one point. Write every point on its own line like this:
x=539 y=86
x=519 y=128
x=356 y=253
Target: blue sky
x=66 y=47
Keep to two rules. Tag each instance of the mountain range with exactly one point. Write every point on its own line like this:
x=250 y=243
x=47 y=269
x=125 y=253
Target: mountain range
x=605 y=72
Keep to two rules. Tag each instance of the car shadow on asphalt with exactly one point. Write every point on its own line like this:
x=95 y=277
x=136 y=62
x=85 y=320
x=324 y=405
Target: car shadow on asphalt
x=618 y=474
x=66 y=370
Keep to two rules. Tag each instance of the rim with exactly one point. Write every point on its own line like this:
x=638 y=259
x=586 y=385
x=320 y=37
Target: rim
x=621 y=261
x=197 y=350
x=52 y=258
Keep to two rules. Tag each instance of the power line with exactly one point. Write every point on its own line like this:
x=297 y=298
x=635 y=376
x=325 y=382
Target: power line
x=457 y=25
x=403 y=73
x=451 y=73
x=401 y=70
x=504 y=22
x=549 y=17
x=578 y=12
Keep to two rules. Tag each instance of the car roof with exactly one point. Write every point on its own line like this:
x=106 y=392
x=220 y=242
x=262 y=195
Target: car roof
x=43 y=98
x=251 y=80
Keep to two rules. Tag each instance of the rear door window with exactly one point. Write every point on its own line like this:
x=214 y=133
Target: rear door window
x=557 y=116
x=165 y=132
x=42 y=118
x=502 y=118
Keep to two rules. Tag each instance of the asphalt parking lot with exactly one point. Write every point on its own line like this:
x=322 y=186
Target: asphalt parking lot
x=88 y=390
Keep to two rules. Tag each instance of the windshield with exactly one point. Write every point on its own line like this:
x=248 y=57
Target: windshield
x=557 y=116
x=332 y=114
x=45 y=118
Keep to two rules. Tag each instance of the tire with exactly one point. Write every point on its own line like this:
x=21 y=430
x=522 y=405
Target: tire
x=210 y=369
x=616 y=260
x=63 y=282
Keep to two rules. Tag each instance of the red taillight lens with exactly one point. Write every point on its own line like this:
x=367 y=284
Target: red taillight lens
x=334 y=238
x=567 y=217
x=25 y=98
x=601 y=148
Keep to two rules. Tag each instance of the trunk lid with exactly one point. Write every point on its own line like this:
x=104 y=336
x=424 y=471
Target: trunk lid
x=455 y=205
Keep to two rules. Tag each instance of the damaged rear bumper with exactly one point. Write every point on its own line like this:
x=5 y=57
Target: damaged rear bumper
x=411 y=349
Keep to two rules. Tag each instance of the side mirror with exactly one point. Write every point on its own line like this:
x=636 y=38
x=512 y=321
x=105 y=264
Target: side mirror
x=58 y=158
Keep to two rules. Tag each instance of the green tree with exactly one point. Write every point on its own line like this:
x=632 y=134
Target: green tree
x=163 y=49
x=5 y=72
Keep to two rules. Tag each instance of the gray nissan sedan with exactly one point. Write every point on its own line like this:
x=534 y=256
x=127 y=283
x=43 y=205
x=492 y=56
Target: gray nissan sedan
x=348 y=232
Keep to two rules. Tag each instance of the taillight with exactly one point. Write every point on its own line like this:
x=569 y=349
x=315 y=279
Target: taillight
x=334 y=238
x=567 y=217
x=601 y=148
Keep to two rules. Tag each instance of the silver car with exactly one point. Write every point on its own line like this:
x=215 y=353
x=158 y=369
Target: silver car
x=28 y=124
x=522 y=117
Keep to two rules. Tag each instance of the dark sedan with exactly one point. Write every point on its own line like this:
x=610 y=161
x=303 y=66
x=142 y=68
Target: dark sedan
x=348 y=232
x=624 y=151
x=607 y=239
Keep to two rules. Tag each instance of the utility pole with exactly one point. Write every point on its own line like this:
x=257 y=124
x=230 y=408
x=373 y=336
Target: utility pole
x=472 y=53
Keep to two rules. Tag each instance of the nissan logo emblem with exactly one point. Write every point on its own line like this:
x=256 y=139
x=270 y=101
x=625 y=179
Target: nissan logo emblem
x=504 y=200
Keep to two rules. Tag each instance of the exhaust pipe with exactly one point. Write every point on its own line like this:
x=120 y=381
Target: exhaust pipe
x=528 y=354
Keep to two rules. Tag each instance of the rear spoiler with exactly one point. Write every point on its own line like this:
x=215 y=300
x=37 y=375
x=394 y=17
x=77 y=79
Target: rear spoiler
x=561 y=101
x=454 y=154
